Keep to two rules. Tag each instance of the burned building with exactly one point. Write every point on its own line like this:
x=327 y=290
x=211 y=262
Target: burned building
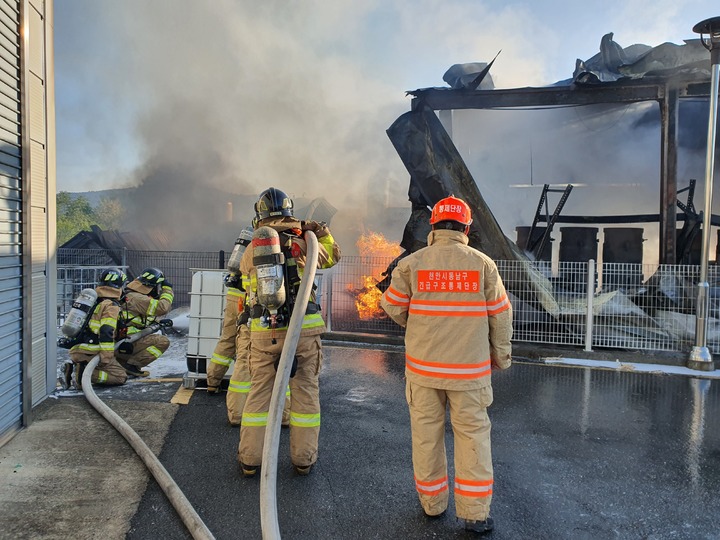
x=637 y=87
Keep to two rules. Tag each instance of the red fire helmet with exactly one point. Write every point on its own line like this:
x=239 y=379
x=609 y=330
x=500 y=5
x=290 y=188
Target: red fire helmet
x=451 y=209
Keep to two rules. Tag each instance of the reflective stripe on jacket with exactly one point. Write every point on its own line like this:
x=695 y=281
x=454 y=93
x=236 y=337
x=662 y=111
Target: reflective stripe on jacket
x=328 y=256
x=101 y=326
x=453 y=304
x=141 y=310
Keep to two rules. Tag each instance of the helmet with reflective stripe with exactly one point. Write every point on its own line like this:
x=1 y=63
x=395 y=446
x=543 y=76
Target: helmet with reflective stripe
x=112 y=277
x=151 y=277
x=451 y=209
x=273 y=202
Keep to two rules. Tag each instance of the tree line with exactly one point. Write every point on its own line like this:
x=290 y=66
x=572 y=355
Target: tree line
x=76 y=214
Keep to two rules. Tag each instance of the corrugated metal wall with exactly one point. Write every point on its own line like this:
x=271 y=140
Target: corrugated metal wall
x=11 y=200
x=36 y=141
x=27 y=211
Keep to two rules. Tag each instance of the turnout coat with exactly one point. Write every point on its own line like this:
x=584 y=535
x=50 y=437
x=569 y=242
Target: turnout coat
x=458 y=319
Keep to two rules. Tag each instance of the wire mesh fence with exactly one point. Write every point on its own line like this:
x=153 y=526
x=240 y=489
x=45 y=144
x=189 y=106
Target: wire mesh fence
x=80 y=268
x=612 y=305
x=71 y=280
x=354 y=297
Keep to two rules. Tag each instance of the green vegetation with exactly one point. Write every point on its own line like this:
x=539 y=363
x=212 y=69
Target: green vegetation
x=75 y=214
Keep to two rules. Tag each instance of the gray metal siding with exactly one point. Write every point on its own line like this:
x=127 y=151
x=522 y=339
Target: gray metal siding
x=40 y=358
x=11 y=286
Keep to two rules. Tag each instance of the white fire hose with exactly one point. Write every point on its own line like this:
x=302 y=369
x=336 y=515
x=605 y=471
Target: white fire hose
x=187 y=513
x=268 y=471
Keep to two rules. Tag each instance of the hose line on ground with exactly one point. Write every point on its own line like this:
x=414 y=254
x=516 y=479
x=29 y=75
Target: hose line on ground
x=187 y=513
x=268 y=471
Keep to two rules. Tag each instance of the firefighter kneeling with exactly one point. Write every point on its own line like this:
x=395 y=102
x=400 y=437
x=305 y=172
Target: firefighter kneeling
x=281 y=257
x=147 y=299
x=96 y=334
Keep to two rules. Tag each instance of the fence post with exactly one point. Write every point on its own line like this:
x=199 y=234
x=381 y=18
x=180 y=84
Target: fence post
x=124 y=257
x=328 y=302
x=590 y=296
x=221 y=259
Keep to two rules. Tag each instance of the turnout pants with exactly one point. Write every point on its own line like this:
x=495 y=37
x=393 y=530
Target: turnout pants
x=304 y=407
x=145 y=350
x=108 y=370
x=473 y=460
x=225 y=349
x=239 y=386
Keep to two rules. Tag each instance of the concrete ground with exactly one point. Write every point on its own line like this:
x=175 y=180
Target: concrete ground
x=579 y=453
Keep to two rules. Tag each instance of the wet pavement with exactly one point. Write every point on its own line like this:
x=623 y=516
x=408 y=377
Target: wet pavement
x=579 y=453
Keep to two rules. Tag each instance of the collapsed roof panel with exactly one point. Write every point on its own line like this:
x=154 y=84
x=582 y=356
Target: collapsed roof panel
x=436 y=171
x=614 y=62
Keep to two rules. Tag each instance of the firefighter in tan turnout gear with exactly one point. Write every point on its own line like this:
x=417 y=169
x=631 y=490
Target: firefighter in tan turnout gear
x=98 y=336
x=147 y=299
x=458 y=321
x=229 y=348
x=234 y=342
x=274 y=212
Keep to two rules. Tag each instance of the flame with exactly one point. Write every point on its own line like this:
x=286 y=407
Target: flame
x=376 y=252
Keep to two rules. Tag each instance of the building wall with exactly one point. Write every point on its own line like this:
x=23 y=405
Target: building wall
x=27 y=211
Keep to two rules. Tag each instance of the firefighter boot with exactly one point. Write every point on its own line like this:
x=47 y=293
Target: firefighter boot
x=248 y=471
x=480 y=527
x=77 y=378
x=303 y=471
x=67 y=375
x=134 y=371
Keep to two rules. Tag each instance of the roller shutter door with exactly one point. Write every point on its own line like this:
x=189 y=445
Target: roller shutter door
x=11 y=202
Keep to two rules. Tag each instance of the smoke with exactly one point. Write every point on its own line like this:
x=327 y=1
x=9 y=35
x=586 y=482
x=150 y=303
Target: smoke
x=189 y=101
x=227 y=96
x=610 y=153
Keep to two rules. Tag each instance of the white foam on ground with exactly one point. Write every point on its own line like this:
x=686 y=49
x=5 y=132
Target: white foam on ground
x=637 y=367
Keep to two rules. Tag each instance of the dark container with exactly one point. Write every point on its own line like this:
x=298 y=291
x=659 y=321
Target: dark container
x=623 y=245
x=578 y=244
x=522 y=241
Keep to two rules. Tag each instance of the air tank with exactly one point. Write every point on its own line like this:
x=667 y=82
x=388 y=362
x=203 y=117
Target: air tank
x=243 y=241
x=268 y=261
x=79 y=312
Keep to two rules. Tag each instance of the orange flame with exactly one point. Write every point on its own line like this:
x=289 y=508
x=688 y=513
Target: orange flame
x=377 y=252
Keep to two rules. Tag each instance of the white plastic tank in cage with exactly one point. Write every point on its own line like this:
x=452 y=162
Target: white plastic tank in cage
x=207 y=301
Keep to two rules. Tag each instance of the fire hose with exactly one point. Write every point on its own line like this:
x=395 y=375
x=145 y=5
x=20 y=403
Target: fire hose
x=187 y=513
x=268 y=471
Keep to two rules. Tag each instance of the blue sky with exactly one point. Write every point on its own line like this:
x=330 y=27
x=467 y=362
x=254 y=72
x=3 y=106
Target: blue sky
x=233 y=93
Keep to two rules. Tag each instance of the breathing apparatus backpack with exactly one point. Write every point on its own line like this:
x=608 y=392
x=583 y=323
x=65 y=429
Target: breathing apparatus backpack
x=78 y=318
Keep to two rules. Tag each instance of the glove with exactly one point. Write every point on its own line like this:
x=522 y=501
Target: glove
x=320 y=228
x=166 y=323
x=125 y=348
x=166 y=283
x=232 y=280
x=309 y=225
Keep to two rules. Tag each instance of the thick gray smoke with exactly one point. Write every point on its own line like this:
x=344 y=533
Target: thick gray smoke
x=232 y=98
x=208 y=100
x=611 y=153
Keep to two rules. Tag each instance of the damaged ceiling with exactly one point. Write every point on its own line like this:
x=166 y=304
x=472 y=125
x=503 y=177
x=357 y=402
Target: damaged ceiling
x=614 y=75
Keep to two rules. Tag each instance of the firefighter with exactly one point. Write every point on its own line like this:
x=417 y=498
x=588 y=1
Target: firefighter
x=274 y=209
x=234 y=342
x=99 y=335
x=224 y=352
x=234 y=345
x=147 y=299
x=458 y=325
